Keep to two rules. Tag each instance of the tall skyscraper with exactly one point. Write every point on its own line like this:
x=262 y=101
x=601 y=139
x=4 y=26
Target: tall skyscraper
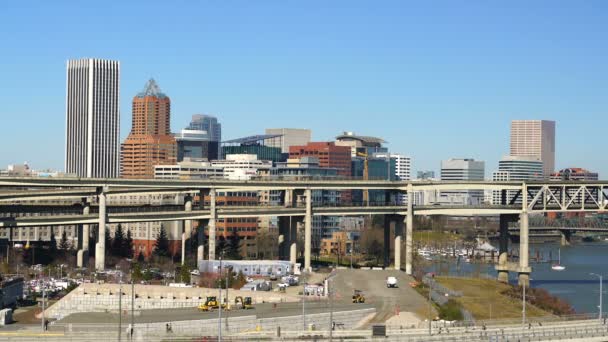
x=289 y=137
x=150 y=142
x=92 y=140
x=535 y=138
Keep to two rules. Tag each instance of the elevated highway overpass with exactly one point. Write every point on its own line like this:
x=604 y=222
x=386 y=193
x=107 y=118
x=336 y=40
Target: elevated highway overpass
x=518 y=200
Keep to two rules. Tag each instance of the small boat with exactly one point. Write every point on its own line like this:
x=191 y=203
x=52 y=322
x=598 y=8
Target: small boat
x=558 y=266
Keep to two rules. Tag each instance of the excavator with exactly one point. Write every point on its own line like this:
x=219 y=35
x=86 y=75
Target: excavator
x=241 y=303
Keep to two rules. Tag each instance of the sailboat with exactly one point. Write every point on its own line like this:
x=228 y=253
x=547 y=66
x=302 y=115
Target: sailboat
x=558 y=266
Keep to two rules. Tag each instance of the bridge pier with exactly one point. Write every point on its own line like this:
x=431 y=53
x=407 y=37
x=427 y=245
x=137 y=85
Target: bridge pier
x=409 y=230
x=565 y=237
x=388 y=224
x=399 y=226
x=187 y=232
x=212 y=217
x=308 y=230
x=83 y=254
x=100 y=247
x=200 y=235
x=503 y=249
x=524 y=267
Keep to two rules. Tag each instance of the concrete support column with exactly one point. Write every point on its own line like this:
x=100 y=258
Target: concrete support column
x=503 y=249
x=565 y=237
x=398 y=241
x=524 y=268
x=293 y=239
x=288 y=200
x=187 y=232
x=388 y=224
x=100 y=248
x=83 y=230
x=284 y=228
x=200 y=236
x=409 y=231
x=308 y=229
x=212 y=217
x=86 y=229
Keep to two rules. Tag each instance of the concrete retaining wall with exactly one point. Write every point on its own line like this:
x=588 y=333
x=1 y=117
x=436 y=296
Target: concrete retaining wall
x=235 y=325
x=104 y=298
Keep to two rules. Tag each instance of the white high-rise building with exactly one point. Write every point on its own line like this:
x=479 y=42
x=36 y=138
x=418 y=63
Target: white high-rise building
x=516 y=168
x=462 y=170
x=290 y=137
x=92 y=145
x=534 y=138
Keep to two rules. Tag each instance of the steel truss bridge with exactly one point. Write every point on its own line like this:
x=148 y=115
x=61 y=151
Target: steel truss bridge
x=518 y=200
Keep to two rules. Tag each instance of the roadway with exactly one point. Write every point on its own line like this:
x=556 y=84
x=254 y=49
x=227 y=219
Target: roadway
x=373 y=284
x=187 y=314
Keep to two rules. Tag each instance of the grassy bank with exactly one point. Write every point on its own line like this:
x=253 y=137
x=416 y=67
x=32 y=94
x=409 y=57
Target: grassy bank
x=483 y=298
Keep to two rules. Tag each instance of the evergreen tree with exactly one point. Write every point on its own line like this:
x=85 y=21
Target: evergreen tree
x=221 y=246
x=140 y=257
x=108 y=241
x=118 y=242
x=52 y=243
x=127 y=248
x=161 y=246
x=64 y=245
x=184 y=274
x=137 y=274
x=233 y=251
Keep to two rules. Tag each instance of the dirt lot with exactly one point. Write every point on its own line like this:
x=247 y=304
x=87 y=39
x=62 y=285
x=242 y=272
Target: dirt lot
x=387 y=301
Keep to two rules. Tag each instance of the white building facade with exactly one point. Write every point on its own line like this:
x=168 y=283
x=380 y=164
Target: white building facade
x=516 y=168
x=93 y=118
x=467 y=169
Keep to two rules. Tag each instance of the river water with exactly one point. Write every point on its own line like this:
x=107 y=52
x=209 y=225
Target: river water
x=574 y=284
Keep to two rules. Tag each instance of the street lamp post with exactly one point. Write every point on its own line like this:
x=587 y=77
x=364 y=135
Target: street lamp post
x=430 y=307
x=600 y=306
x=219 y=324
x=331 y=305
x=120 y=307
x=304 y=300
x=523 y=305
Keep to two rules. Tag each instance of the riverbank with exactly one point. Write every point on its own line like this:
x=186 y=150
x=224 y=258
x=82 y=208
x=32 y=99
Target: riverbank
x=485 y=299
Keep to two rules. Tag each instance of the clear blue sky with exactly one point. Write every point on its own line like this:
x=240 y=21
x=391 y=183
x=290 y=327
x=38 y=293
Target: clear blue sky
x=437 y=79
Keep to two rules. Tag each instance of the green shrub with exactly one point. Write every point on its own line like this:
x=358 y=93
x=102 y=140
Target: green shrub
x=450 y=311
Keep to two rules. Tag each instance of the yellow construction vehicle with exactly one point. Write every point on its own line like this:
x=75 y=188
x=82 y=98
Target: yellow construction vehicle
x=210 y=304
x=240 y=303
x=248 y=303
x=358 y=297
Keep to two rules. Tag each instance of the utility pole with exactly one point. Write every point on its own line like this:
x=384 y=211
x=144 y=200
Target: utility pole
x=226 y=299
x=304 y=301
x=42 y=322
x=331 y=311
x=132 y=304
x=120 y=307
x=523 y=304
x=219 y=323
x=430 y=306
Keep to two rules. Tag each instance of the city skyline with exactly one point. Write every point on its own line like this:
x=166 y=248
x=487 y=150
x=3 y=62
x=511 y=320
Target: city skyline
x=251 y=94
